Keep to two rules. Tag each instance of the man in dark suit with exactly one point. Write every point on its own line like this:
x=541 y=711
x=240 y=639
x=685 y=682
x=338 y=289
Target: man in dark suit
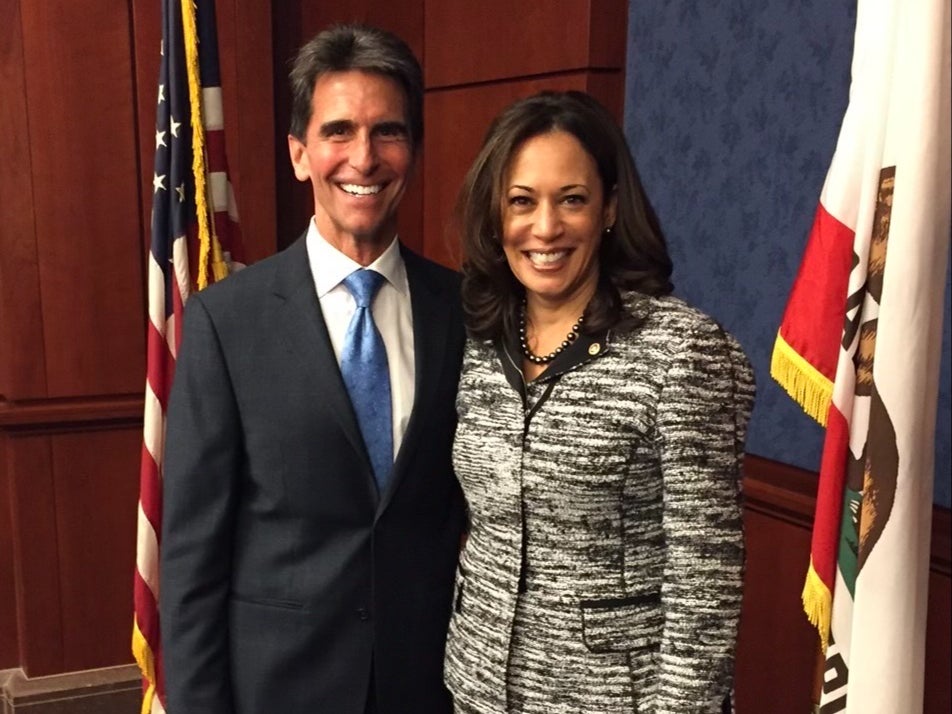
x=312 y=519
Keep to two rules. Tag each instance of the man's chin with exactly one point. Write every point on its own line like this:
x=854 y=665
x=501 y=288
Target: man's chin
x=363 y=244
x=370 y=233
x=379 y=237
x=374 y=233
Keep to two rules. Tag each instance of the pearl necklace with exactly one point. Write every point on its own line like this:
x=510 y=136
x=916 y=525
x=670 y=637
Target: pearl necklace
x=545 y=359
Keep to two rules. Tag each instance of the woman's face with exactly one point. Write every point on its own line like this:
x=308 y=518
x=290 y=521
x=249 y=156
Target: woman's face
x=553 y=214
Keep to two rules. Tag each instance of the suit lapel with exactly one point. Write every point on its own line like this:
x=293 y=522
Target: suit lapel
x=301 y=323
x=431 y=326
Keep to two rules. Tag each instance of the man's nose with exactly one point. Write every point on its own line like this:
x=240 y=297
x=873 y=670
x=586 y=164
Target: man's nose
x=363 y=154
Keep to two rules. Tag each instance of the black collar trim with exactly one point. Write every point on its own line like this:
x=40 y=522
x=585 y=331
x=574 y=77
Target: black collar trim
x=585 y=349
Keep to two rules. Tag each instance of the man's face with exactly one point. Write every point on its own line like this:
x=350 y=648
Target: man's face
x=358 y=155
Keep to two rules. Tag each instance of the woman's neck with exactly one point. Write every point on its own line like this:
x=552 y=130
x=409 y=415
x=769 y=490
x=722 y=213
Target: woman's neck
x=545 y=314
x=548 y=328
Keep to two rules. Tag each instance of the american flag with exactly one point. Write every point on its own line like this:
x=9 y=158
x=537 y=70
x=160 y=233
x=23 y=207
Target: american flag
x=195 y=241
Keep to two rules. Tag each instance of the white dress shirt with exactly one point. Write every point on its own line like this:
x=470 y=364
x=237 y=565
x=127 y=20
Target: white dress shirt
x=391 y=311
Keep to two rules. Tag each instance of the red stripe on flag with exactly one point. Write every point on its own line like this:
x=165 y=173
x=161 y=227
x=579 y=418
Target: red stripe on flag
x=150 y=490
x=824 y=546
x=813 y=320
x=161 y=365
x=147 y=614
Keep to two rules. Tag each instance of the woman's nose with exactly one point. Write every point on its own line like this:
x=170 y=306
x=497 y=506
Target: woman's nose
x=548 y=223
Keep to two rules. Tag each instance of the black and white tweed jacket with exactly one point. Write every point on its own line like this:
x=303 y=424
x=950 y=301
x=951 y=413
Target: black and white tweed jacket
x=603 y=568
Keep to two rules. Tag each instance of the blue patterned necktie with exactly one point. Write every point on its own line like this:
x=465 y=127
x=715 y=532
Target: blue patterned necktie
x=363 y=364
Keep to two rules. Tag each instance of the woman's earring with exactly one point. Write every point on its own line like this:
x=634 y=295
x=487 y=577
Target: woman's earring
x=608 y=230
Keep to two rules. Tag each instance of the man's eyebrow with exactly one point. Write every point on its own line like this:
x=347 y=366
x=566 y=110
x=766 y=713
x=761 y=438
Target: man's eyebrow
x=391 y=127
x=333 y=127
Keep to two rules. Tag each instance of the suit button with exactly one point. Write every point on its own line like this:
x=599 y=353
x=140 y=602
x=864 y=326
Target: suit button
x=363 y=614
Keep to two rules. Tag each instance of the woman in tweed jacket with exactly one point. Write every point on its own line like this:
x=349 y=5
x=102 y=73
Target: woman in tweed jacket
x=601 y=431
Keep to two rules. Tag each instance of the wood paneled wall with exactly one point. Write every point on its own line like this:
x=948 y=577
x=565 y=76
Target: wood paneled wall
x=72 y=328
x=77 y=106
x=480 y=57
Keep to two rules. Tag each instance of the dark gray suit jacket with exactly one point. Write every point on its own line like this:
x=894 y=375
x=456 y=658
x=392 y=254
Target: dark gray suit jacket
x=284 y=577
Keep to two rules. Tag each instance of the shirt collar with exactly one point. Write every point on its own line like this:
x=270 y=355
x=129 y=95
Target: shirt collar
x=329 y=266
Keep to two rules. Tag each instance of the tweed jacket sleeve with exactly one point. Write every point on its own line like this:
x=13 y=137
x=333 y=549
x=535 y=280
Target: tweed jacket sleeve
x=702 y=418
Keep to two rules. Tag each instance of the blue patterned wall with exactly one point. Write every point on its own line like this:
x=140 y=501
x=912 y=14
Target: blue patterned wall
x=732 y=110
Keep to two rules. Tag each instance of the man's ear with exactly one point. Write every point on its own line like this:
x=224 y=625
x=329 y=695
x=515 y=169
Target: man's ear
x=299 y=159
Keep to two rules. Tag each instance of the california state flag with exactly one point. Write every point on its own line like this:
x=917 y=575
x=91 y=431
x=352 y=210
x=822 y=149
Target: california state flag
x=859 y=349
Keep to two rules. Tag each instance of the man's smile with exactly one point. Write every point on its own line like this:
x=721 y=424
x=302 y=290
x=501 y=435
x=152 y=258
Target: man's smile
x=355 y=189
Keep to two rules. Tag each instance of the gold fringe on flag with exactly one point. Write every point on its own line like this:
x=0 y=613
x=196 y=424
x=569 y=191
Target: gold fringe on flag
x=146 y=661
x=818 y=605
x=801 y=380
x=207 y=240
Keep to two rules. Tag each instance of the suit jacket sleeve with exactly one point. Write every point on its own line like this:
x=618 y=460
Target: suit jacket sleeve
x=202 y=460
x=702 y=423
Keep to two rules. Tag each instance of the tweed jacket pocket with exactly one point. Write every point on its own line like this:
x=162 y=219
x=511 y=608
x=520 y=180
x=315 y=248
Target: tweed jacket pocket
x=622 y=624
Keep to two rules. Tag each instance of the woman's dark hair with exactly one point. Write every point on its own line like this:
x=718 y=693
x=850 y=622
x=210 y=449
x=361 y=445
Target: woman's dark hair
x=633 y=254
x=343 y=48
